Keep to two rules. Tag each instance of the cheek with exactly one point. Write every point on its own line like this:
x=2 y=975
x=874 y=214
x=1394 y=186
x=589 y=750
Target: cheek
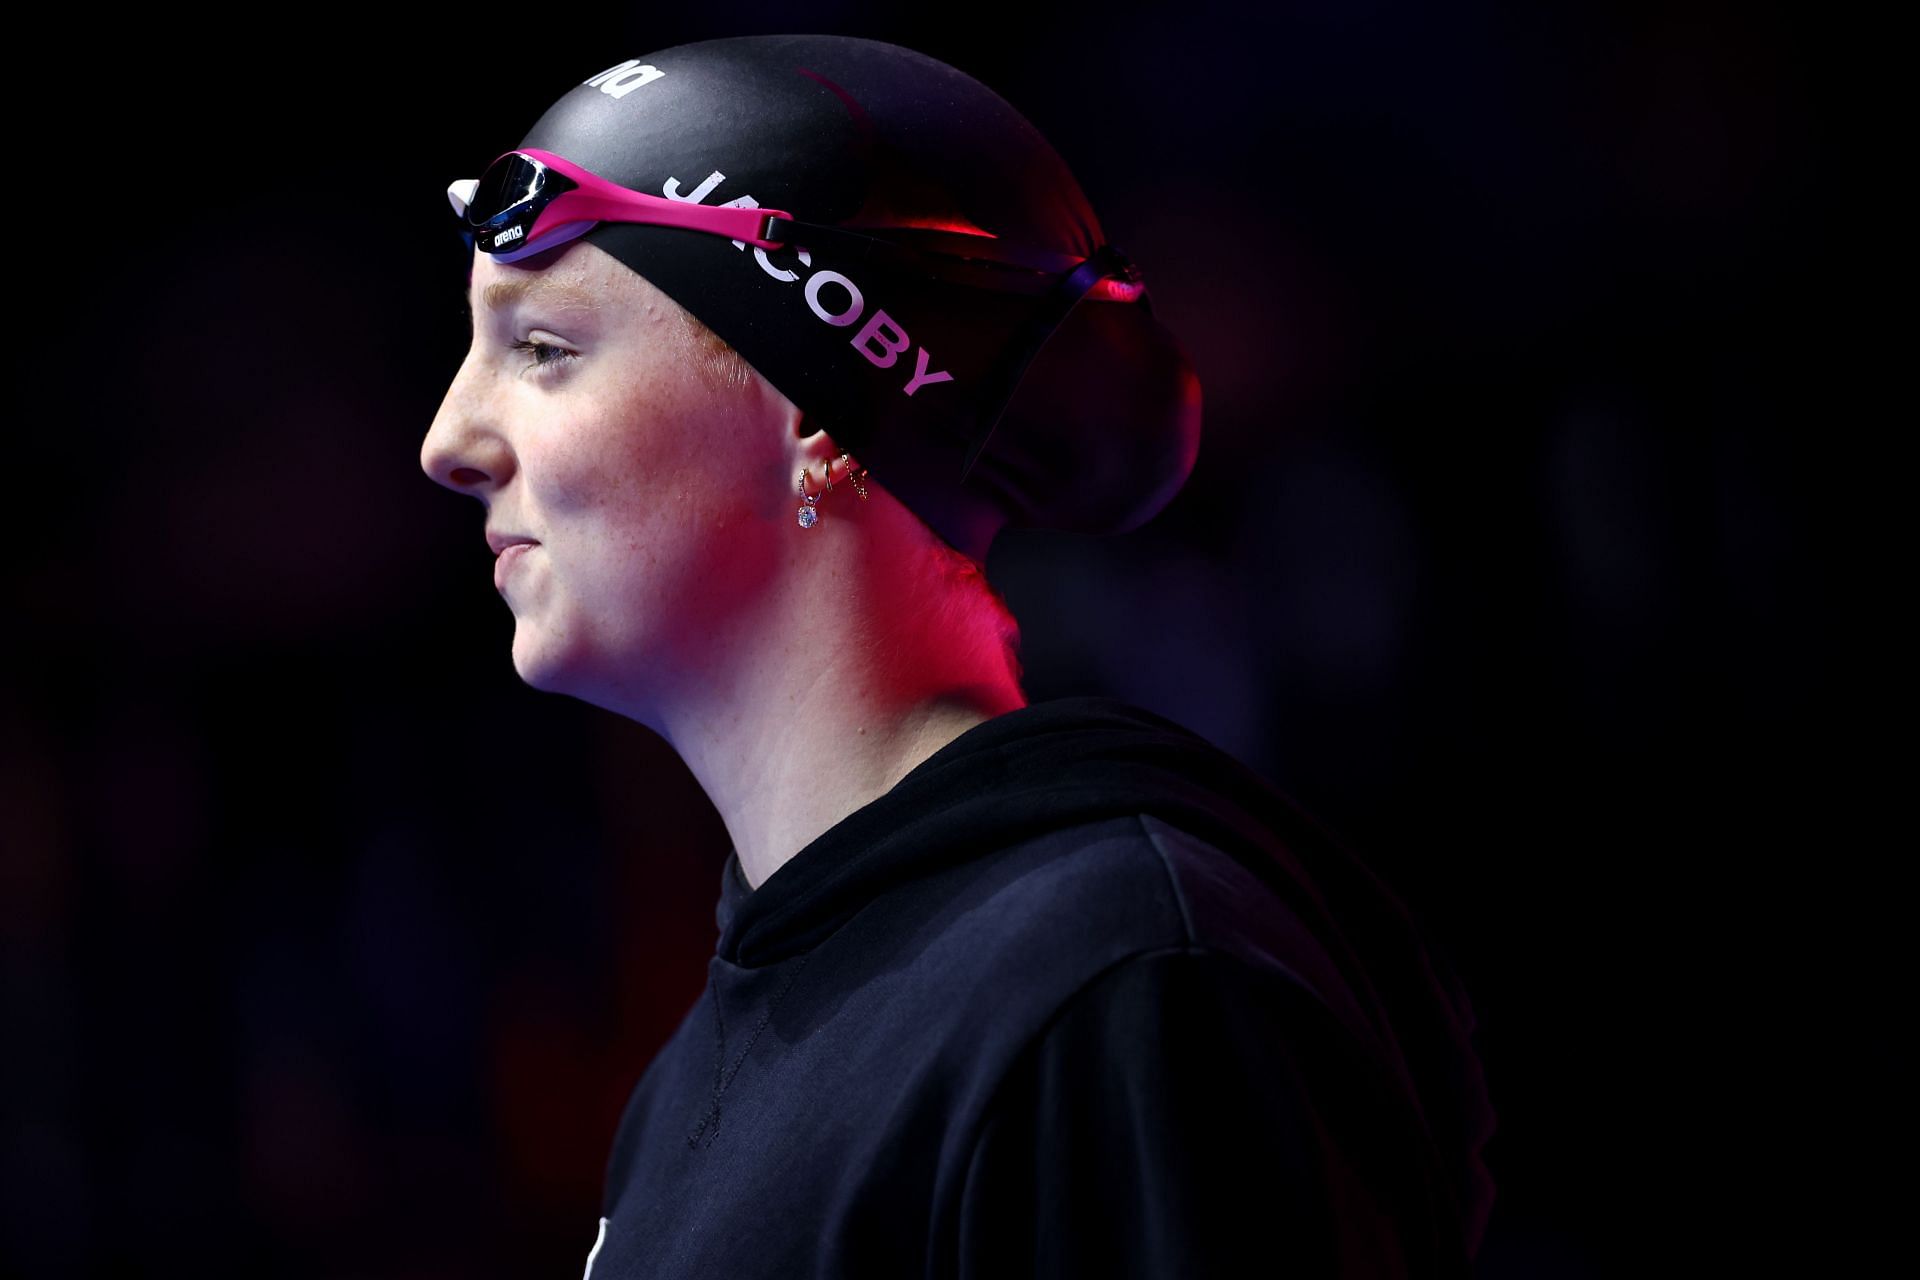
x=596 y=462
x=636 y=505
x=658 y=491
x=632 y=435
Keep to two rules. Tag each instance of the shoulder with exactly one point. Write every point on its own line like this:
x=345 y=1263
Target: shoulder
x=1109 y=874
x=1127 y=885
x=1160 y=1009
x=1087 y=895
x=1010 y=937
x=1142 y=863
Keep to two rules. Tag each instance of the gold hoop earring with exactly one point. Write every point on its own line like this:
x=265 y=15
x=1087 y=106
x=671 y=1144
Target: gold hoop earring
x=809 y=512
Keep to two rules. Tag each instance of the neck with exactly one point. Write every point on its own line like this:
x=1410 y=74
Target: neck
x=825 y=698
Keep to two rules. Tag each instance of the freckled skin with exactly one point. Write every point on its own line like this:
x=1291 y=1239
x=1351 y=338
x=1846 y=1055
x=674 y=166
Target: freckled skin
x=798 y=673
x=623 y=464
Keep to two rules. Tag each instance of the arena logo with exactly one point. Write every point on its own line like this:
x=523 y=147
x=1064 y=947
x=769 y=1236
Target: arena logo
x=623 y=78
x=881 y=339
x=508 y=237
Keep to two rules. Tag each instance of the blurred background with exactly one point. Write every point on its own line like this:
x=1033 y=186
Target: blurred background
x=330 y=949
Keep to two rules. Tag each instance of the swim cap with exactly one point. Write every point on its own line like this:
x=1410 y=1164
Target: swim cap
x=955 y=380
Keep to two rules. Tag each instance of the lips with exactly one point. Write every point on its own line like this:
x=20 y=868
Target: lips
x=511 y=554
x=499 y=542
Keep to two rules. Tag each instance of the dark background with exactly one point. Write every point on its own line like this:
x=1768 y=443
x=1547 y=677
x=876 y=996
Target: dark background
x=332 y=950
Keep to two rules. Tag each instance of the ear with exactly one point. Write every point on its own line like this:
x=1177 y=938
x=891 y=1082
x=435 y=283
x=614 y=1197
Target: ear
x=820 y=454
x=816 y=448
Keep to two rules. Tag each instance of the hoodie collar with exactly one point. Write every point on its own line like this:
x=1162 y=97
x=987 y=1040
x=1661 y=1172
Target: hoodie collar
x=1008 y=777
x=903 y=833
x=1039 y=768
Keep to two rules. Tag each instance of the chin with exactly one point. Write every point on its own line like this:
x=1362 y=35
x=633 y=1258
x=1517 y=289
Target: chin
x=577 y=670
x=538 y=667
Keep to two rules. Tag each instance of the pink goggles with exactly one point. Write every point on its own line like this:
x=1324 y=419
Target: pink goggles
x=531 y=200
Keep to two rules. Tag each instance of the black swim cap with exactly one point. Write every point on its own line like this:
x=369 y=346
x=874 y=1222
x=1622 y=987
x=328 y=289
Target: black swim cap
x=922 y=373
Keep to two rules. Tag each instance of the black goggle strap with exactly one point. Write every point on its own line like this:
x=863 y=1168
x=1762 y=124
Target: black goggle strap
x=980 y=261
x=1042 y=325
x=984 y=262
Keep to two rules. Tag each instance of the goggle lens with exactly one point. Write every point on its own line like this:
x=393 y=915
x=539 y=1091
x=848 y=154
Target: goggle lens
x=512 y=180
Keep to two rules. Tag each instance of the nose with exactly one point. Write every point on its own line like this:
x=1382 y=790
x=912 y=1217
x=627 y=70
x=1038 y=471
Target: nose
x=464 y=449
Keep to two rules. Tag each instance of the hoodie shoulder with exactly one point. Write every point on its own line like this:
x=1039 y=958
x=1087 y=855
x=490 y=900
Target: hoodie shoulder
x=1078 y=899
x=1227 y=908
x=1140 y=883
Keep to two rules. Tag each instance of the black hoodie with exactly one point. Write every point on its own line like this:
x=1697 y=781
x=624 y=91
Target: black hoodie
x=1080 y=995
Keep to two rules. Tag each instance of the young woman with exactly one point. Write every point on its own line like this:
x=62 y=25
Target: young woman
x=772 y=335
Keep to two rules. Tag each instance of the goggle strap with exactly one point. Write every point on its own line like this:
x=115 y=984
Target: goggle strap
x=911 y=246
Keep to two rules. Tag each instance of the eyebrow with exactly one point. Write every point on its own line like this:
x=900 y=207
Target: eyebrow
x=502 y=294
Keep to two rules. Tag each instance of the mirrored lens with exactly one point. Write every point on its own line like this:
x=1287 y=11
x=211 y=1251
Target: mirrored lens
x=513 y=181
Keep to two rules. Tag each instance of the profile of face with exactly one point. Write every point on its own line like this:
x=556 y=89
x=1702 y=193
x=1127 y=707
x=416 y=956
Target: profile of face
x=649 y=495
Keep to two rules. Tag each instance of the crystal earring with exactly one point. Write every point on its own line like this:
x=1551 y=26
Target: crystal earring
x=810 y=508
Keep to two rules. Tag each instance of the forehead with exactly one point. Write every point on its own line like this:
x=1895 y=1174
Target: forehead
x=561 y=278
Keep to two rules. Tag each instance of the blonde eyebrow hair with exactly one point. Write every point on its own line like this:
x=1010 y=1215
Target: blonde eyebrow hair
x=502 y=294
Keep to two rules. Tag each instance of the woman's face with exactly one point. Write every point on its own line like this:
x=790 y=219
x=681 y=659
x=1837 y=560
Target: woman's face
x=650 y=496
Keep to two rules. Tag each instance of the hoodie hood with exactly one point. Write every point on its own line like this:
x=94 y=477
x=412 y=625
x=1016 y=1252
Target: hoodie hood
x=1071 y=760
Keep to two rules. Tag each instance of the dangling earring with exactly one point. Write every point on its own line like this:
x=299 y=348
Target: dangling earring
x=852 y=475
x=810 y=508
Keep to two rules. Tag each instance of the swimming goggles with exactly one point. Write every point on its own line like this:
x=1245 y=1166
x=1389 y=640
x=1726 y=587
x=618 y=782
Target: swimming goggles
x=532 y=200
